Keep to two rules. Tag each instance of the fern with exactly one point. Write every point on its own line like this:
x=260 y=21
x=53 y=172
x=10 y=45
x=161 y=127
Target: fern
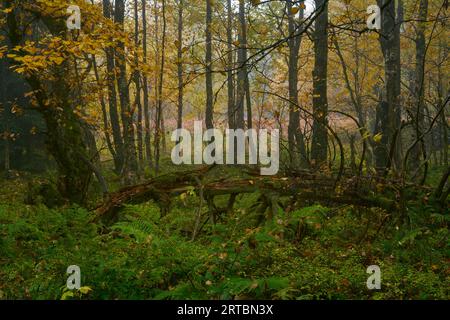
x=137 y=227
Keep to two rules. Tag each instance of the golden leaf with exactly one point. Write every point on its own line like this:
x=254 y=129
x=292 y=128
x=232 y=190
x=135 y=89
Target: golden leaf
x=377 y=137
x=294 y=10
x=58 y=60
x=85 y=290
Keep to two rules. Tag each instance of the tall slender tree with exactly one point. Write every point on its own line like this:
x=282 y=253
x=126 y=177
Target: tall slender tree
x=208 y=62
x=419 y=82
x=230 y=74
x=296 y=141
x=241 y=62
x=130 y=167
x=159 y=132
x=180 y=64
x=137 y=84
x=112 y=97
x=319 y=147
x=387 y=152
x=145 y=85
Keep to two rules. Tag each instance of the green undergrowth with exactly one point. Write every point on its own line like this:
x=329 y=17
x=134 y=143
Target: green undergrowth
x=312 y=252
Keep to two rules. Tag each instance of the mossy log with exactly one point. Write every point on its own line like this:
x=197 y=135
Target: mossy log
x=305 y=186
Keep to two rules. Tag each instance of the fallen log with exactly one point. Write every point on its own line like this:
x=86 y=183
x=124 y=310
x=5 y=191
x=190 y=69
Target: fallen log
x=159 y=189
x=305 y=186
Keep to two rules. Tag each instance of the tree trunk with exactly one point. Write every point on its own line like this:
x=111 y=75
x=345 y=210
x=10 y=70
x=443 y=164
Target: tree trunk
x=419 y=83
x=319 y=145
x=180 y=65
x=112 y=99
x=230 y=76
x=244 y=48
x=208 y=61
x=297 y=149
x=130 y=167
x=148 y=149
x=159 y=128
x=240 y=122
x=442 y=94
x=6 y=113
x=137 y=83
x=390 y=45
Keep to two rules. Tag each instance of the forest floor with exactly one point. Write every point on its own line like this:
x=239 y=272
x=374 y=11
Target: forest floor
x=310 y=252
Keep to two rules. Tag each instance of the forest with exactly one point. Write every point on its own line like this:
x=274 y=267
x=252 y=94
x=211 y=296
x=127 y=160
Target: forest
x=224 y=150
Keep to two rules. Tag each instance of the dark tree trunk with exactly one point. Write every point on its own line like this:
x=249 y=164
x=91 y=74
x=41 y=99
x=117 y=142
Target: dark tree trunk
x=390 y=45
x=297 y=149
x=208 y=61
x=130 y=167
x=230 y=76
x=159 y=115
x=319 y=145
x=245 y=71
x=419 y=83
x=137 y=83
x=180 y=64
x=6 y=114
x=148 y=150
x=240 y=121
x=112 y=99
